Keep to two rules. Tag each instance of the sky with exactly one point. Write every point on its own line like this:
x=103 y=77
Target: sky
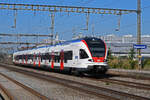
x=66 y=24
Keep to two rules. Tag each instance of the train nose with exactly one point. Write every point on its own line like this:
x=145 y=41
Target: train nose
x=98 y=59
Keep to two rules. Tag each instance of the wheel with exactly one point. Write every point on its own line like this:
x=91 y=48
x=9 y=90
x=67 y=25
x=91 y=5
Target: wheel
x=78 y=73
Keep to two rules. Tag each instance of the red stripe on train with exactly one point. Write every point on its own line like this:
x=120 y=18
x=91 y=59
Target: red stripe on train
x=52 y=62
x=86 y=46
x=98 y=59
x=61 y=60
x=22 y=59
x=39 y=60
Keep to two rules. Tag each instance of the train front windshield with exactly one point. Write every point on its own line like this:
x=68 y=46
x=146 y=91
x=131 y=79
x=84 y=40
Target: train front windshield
x=96 y=46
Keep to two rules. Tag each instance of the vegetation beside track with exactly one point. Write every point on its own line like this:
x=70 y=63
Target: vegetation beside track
x=127 y=62
x=146 y=64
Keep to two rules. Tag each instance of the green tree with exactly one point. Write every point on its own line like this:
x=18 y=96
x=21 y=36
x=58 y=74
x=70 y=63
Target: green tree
x=132 y=54
x=131 y=58
x=110 y=56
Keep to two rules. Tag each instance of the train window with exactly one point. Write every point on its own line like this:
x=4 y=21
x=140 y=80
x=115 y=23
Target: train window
x=32 y=57
x=28 y=57
x=36 y=56
x=68 y=55
x=43 y=57
x=16 y=57
x=57 y=59
x=65 y=60
x=96 y=46
x=19 y=57
x=83 y=54
x=48 y=57
x=24 y=56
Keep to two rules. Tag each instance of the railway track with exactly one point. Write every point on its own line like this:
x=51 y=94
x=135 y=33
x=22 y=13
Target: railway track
x=124 y=83
x=127 y=83
x=10 y=95
x=101 y=92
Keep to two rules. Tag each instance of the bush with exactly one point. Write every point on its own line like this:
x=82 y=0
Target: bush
x=123 y=63
x=133 y=64
x=126 y=64
x=113 y=63
x=146 y=64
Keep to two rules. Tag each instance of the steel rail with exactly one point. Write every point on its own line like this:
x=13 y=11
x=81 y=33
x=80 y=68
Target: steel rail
x=130 y=75
x=5 y=93
x=126 y=83
x=26 y=88
x=140 y=85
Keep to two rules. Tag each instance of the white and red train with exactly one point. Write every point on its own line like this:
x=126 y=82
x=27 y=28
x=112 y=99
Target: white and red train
x=86 y=55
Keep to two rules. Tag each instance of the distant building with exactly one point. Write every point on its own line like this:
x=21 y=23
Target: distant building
x=111 y=39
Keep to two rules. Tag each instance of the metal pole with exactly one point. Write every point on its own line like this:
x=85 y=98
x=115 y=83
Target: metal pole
x=139 y=32
x=52 y=26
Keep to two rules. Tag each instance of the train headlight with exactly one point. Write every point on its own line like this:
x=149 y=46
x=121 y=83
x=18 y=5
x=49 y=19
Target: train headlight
x=91 y=60
x=105 y=60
